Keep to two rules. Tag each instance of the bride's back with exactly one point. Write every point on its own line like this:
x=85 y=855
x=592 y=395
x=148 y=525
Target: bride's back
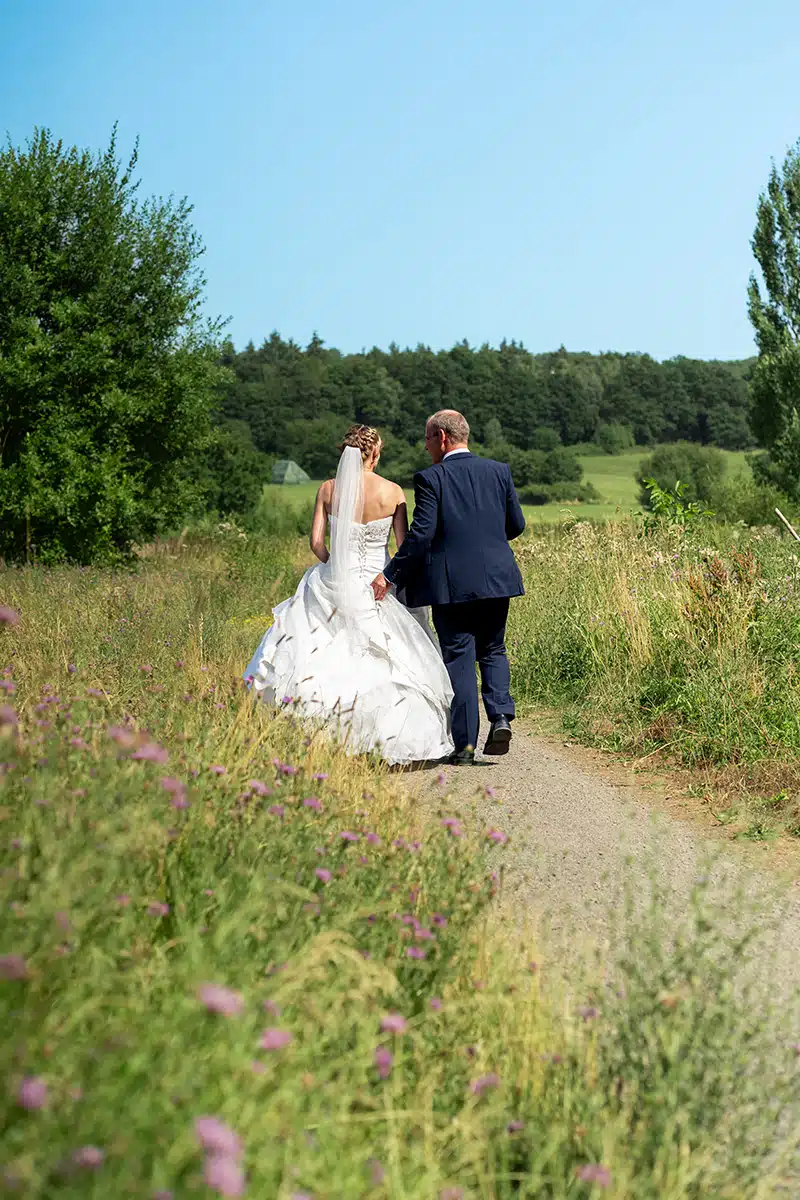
x=381 y=497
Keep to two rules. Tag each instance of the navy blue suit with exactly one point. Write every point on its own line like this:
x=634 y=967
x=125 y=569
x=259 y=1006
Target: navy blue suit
x=456 y=558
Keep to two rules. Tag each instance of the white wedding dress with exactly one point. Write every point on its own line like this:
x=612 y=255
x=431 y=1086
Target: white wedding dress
x=370 y=671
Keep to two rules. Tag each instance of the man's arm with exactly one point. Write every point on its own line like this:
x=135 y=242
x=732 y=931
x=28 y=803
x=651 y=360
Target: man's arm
x=515 y=521
x=418 y=539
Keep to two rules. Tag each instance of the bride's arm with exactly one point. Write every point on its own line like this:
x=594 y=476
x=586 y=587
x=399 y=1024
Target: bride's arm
x=319 y=522
x=400 y=519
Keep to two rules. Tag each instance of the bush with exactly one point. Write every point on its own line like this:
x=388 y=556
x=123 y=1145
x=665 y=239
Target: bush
x=107 y=372
x=699 y=468
x=614 y=439
x=743 y=499
x=232 y=472
x=549 y=493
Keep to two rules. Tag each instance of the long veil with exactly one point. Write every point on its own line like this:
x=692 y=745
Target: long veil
x=347 y=511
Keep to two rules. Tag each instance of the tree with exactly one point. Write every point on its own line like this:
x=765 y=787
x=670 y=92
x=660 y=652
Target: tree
x=107 y=371
x=776 y=319
x=700 y=469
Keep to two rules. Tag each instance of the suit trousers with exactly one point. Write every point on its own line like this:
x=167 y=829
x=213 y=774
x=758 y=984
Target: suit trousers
x=469 y=633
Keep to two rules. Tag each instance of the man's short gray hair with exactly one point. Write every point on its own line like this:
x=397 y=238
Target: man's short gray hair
x=453 y=425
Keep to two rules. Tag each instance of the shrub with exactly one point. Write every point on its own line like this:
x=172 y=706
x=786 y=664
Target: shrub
x=699 y=468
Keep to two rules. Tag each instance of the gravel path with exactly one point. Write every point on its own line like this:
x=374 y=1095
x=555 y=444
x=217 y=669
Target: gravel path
x=578 y=826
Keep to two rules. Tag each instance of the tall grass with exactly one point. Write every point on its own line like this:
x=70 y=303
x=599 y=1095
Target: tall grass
x=210 y=912
x=686 y=645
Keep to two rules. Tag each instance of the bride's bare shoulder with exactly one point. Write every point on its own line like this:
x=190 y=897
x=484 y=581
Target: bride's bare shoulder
x=389 y=488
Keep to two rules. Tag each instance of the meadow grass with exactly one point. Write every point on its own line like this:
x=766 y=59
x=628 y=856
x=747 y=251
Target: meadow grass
x=236 y=961
x=614 y=476
x=682 y=645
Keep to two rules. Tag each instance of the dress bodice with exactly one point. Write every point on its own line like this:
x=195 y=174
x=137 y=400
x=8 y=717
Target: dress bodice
x=369 y=544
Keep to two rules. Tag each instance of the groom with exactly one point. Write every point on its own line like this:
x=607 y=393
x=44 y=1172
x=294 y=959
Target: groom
x=456 y=558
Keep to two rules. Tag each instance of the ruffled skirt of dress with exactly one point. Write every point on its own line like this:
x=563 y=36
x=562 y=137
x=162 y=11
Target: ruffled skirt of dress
x=375 y=678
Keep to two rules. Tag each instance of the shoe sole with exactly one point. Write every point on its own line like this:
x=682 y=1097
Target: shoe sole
x=499 y=743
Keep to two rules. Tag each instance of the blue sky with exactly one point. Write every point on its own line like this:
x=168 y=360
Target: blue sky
x=579 y=173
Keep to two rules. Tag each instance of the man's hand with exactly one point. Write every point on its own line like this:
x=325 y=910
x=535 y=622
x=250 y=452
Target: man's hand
x=380 y=586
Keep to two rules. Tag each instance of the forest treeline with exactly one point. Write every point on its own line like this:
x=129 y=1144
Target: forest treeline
x=296 y=401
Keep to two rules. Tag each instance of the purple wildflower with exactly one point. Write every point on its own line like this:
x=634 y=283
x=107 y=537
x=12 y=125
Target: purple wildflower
x=32 y=1093
x=123 y=900
x=394 y=1023
x=415 y=952
x=8 y=686
x=177 y=789
x=217 y=1138
x=146 y=669
x=72 y=668
x=436 y=1003
x=376 y=1172
x=496 y=835
x=95 y=692
x=13 y=966
x=383 y=1062
x=272 y=1007
x=320 y=776
x=373 y=839
x=157 y=909
x=515 y=1126
x=441 y=779
x=484 y=1083
x=259 y=788
x=151 y=752
x=275 y=1039
x=439 y=920
x=348 y=836
x=276 y=810
x=8 y=716
x=313 y=803
x=218 y=999
x=594 y=1173
x=323 y=874
x=588 y=1011
x=89 y=1157
x=125 y=738
x=8 y=616
x=216 y=769
x=224 y=1176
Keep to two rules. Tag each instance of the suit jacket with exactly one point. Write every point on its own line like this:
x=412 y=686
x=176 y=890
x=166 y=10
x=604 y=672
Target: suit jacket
x=465 y=513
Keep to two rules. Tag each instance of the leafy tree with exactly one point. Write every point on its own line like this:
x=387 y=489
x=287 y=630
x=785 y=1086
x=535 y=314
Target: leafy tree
x=231 y=472
x=107 y=372
x=776 y=319
x=698 y=469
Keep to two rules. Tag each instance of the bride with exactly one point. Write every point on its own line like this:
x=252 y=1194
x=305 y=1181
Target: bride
x=370 y=671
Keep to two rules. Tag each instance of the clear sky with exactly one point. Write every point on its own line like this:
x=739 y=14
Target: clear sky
x=567 y=172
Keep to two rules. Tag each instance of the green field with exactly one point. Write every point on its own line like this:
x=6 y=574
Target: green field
x=614 y=476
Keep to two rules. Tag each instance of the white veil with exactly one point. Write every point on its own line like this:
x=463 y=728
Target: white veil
x=346 y=511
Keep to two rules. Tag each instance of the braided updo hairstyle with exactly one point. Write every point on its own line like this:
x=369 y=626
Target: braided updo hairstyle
x=363 y=438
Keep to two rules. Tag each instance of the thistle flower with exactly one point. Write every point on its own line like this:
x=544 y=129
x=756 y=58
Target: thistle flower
x=275 y=1039
x=157 y=909
x=8 y=616
x=320 y=776
x=8 y=717
x=89 y=1157
x=217 y=1138
x=313 y=803
x=32 y=1093
x=151 y=752
x=221 y=1000
x=276 y=810
x=13 y=966
x=415 y=952
x=515 y=1126
x=594 y=1173
x=323 y=874
x=348 y=836
x=177 y=789
x=436 y=1003
x=216 y=769
x=588 y=1011
x=259 y=788
x=394 y=1023
x=373 y=839
x=383 y=1062
x=495 y=835
x=484 y=1083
